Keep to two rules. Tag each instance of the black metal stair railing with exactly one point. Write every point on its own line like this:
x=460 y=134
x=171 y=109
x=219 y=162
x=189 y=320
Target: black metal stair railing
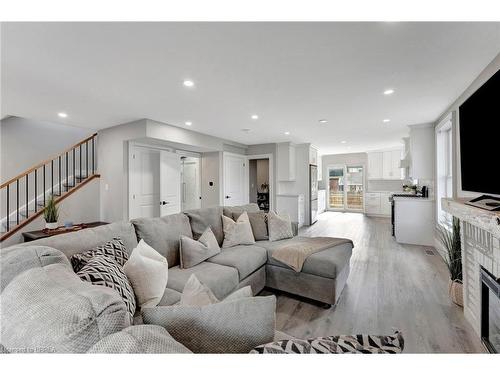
x=25 y=196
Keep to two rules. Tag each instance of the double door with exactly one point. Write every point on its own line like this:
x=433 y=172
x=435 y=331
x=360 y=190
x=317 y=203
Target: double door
x=154 y=182
x=346 y=187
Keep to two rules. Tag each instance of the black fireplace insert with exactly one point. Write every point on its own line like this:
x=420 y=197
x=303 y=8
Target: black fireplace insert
x=490 y=311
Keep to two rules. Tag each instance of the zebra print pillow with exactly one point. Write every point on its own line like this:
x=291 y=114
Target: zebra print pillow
x=364 y=344
x=114 y=249
x=105 y=271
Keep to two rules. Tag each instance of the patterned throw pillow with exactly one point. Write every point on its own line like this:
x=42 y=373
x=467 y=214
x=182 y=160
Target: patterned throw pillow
x=363 y=344
x=280 y=227
x=105 y=271
x=114 y=249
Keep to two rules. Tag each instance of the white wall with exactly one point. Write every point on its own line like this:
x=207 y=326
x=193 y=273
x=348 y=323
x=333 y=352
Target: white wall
x=486 y=74
x=26 y=142
x=80 y=207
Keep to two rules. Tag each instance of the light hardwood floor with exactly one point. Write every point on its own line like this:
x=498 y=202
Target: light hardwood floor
x=391 y=286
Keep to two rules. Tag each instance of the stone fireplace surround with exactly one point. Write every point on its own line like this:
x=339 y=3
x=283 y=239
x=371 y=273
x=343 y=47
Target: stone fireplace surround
x=480 y=235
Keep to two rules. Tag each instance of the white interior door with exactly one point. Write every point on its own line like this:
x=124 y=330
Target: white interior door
x=190 y=183
x=144 y=175
x=170 y=183
x=235 y=186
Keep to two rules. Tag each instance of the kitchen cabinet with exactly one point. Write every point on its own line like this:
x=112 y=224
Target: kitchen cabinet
x=378 y=203
x=384 y=165
x=375 y=164
x=414 y=221
x=286 y=161
x=291 y=205
x=372 y=203
x=313 y=156
x=321 y=201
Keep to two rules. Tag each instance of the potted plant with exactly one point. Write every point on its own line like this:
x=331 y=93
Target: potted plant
x=264 y=187
x=51 y=214
x=449 y=236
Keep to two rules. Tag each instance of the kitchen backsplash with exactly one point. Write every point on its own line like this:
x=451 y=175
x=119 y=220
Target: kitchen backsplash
x=385 y=185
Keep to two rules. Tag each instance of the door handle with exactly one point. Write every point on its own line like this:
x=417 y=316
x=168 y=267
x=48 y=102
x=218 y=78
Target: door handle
x=227 y=197
x=163 y=203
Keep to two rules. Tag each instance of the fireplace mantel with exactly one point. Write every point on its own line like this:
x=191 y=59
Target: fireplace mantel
x=480 y=235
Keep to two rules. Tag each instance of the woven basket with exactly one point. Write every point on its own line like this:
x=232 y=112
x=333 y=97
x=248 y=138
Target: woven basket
x=456 y=292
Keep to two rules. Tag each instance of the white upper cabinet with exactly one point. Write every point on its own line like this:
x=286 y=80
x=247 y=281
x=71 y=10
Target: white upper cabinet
x=384 y=165
x=313 y=156
x=286 y=161
x=375 y=165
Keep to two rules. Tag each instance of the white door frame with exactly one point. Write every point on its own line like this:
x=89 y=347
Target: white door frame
x=327 y=185
x=272 y=193
x=245 y=173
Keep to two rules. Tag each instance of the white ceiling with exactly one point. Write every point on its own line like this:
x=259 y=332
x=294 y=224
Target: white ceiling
x=290 y=74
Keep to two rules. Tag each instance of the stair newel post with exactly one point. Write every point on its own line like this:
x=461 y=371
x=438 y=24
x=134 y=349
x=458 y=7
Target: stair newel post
x=17 y=201
x=36 y=182
x=7 y=225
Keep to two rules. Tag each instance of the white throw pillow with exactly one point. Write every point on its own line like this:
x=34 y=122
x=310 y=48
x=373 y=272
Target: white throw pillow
x=280 y=227
x=196 y=294
x=147 y=271
x=237 y=232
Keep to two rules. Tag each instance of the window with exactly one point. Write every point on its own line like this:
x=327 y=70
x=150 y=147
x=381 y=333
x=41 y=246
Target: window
x=444 y=155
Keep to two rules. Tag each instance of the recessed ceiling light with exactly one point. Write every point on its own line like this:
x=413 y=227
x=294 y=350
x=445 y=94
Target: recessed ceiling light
x=386 y=120
x=188 y=123
x=323 y=121
x=188 y=83
x=343 y=142
x=255 y=117
x=287 y=133
x=388 y=92
x=246 y=130
x=62 y=114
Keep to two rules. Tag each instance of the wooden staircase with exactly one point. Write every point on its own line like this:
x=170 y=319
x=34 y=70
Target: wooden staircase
x=24 y=197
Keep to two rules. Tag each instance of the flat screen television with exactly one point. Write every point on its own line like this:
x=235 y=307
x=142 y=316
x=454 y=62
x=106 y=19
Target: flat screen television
x=479 y=119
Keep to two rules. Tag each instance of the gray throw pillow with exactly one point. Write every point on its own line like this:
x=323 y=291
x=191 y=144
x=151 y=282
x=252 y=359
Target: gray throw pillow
x=258 y=221
x=235 y=326
x=139 y=339
x=50 y=309
x=194 y=252
x=280 y=227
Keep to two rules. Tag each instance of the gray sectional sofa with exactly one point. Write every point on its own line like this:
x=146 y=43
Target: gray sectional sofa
x=323 y=276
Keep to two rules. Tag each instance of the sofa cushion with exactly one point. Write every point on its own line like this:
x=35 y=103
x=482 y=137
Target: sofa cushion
x=115 y=249
x=85 y=239
x=17 y=259
x=195 y=293
x=235 y=326
x=235 y=211
x=245 y=258
x=140 y=339
x=220 y=279
x=193 y=252
x=163 y=234
x=170 y=297
x=327 y=263
x=206 y=217
x=51 y=310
